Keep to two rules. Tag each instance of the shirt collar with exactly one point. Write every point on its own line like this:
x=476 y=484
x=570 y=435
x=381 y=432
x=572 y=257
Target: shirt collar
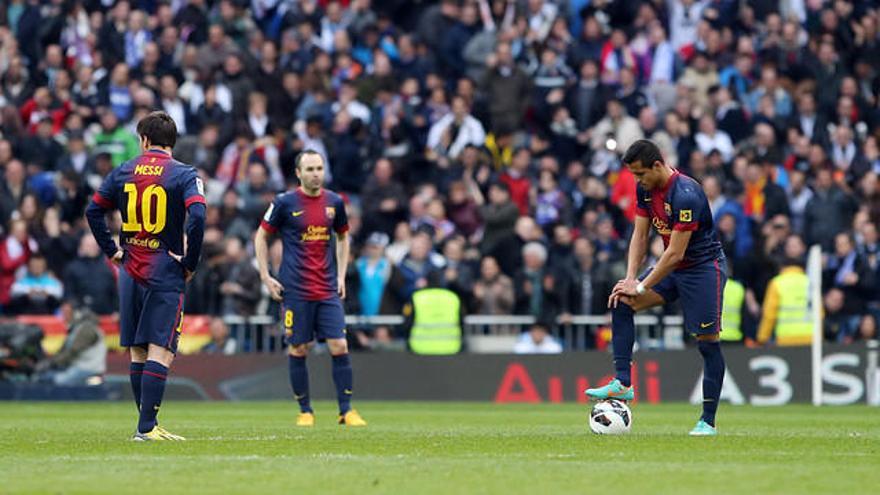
x=669 y=182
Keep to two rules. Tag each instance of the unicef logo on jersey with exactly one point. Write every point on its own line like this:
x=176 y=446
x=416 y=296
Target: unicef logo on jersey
x=152 y=243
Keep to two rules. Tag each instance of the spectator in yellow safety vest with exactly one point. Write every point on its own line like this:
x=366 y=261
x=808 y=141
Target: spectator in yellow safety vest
x=786 y=310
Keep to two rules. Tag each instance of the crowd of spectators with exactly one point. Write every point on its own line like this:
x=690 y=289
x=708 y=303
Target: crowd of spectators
x=476 y=142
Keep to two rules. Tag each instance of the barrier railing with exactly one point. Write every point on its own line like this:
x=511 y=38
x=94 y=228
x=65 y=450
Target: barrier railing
x=482 y=333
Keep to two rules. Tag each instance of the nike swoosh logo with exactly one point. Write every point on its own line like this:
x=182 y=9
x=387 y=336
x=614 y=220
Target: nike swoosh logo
x=707 y=325
x=616 y=394
x=346 y=392
x=298 y=397
x=297 y=213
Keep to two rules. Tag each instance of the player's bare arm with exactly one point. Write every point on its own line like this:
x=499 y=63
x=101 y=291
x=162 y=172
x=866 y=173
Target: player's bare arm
x=261 y=247
x=671 y=257
x=342 y=252
x=638 y=247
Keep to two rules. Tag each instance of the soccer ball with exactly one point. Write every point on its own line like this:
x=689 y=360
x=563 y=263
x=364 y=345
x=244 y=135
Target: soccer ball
x=610 y=417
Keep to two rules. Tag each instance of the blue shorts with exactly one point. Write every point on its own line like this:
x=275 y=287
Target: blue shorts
x=700 y=288
x=148 y=316
x=305 y=321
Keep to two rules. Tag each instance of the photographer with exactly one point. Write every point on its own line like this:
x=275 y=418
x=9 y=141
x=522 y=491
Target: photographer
x=83 y=356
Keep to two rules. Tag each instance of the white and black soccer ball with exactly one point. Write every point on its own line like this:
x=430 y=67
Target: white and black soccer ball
x=610 y=417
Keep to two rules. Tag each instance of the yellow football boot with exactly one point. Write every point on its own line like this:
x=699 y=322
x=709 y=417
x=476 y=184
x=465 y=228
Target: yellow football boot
x=305 y=419
x=156 y=434
x=352 y=418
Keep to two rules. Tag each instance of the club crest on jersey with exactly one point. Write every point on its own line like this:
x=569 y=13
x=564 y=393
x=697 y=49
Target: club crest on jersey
x=685 y=216
x=667 y=208
x=331 y=212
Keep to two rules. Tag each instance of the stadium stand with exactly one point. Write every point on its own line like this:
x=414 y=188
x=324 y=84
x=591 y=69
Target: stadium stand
x=477 y=145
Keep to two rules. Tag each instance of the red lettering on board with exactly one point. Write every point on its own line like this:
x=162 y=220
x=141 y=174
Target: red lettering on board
x=581 y=384
x=517 y=386
x=652 y=382
x=554 y=389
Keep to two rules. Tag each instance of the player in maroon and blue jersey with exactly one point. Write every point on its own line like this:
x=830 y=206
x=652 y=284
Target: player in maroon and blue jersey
x=159 y=199
x=314 y=233
x=691 y=269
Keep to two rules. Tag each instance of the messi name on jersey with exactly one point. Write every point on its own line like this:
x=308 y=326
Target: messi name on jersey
x=149 y=170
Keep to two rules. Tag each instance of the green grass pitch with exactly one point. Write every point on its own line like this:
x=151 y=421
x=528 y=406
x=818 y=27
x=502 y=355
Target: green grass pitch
x=415 y=448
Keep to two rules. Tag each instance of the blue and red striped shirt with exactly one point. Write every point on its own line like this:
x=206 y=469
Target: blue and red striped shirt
x=682 y=205
x=152 y=192
x=307 y=225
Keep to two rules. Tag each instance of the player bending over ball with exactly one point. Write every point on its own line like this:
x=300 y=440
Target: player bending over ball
x=692 y=268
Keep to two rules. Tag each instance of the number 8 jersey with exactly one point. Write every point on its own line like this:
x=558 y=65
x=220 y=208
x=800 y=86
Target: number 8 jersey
x=152 y=192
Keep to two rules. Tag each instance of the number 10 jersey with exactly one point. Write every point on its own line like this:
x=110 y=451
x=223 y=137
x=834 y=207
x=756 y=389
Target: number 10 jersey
x=152 y=192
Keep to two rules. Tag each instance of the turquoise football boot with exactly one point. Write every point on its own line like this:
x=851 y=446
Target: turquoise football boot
x=703 y=429
x=614 y=390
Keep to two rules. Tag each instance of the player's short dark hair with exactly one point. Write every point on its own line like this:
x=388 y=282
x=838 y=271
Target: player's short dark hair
x=304 y=153
x=644 y=151
x=159 y=128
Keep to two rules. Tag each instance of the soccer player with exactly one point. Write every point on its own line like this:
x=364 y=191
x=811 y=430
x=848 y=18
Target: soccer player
x=155 y=194
x=691 y=269
x=314 y=233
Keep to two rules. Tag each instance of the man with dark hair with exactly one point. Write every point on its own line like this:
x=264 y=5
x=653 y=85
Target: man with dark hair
x=499 y=216
x=160 y=128
x=37 y=291
x=691 y=268
x=312 y=280
x=88 y=280
x=155 y=195
x=829 y=212
x=114 y=139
